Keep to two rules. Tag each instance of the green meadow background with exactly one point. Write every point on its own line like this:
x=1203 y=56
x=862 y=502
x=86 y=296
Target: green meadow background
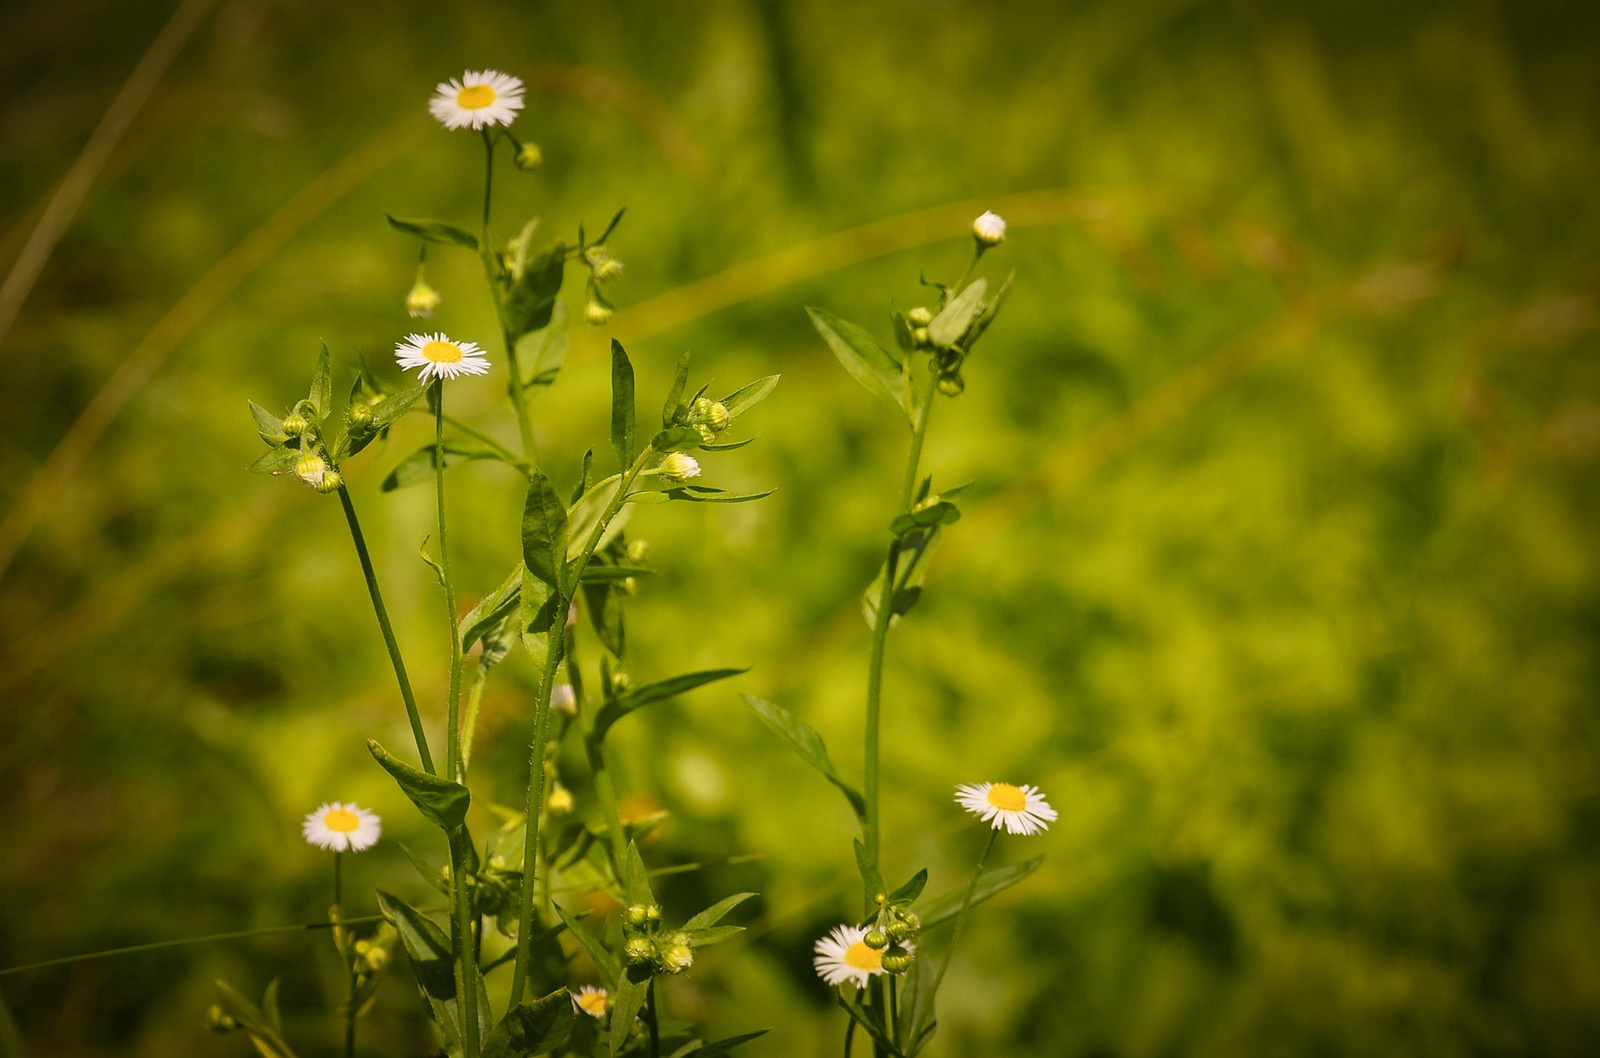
x=1278 y=573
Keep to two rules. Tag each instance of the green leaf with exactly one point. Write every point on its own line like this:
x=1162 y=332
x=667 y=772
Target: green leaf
x=622 y=705
x=726 y=446
x=722 y=1046
x=606 y=614
x=677 y=439
x=275 y=461
x=916 y=1005
x=537 y=617
x=943 y=908
x=951 y=323
x=622 y=406
x=626 y=999
x=870 y=363
x=430 y=874
x=321 y=396
x=544 y=531
x=263 y=1029
x=434 y=231
x=805 y=741
x=715 y=913
x=492 y=609
x=672 y=409
x=635 y=879
x=701 y=938
x=418 y=467
x=530 y=301
x=911 y=890
x=597 y=574
x=742 y=400
x=603 y=960
x=532 y=1028
x=707 y=494
x=871 y=879
x=433 y=965
x=544 y=351
x=989 y=312
x=268 y=425
x=942 y=513
x=389 y=410
x=616 y=219
x=910 y=559
x=442 y=801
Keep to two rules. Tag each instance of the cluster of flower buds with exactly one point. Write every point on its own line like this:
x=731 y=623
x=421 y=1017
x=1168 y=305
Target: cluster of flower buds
x=894 y=932
x=312 y=467
x=647 y=945
x=948 y=333
x=708 y=418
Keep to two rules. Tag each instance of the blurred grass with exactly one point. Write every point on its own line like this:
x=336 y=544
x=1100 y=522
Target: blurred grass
x=1278 y=575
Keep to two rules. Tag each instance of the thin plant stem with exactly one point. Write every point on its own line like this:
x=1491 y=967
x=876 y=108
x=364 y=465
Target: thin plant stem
x=387 y=629
x=849 y=1035
x=469 y=726
x=347 y=952
x=491 y=274
x=894 y=1012
x=655 y=1027
x=961 y=915
x=880 y=630
x=265 y=931
x=465 y=957
x=338 y=879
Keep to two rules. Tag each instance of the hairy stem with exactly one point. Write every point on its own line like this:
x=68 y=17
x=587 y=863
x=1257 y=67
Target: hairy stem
x=389 y=640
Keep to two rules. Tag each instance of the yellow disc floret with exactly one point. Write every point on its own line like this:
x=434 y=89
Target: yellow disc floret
x=1007 y=798
x=442 y=352
x=862 y=957
x=341 y=819
x=475 y=97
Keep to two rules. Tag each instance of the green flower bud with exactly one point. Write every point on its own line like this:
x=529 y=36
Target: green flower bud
x=529 y=157
x=596 y=314
x=422 y=300
x=620 y=681
x=311 y=469
x=920 y=316
x=653 y=913
x=295 y=424
x=898 y=931
x=677 y=958
x=951 y=385
x=911 y=918
x=679 y=467
x=637 y=915
x=920 y=338
x=359 y=416
x=330 y=482
x=876 y=939
x=897 y=961
x=707 y=434
x=639 y=951
x=376 y=959
x=219 y=1020
x=608 y=269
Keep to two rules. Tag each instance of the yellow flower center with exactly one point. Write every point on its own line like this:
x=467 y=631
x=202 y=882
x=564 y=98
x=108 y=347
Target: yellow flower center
x=861 y=957
x=341 y=819
x=1007 y=798
x=475 y=97
x=593 y=1004
x=442 y=352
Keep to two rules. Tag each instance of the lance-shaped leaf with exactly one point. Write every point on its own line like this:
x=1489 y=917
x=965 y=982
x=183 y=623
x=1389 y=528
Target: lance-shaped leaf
x=623 y=704
x=603 y=960
x=537 y=617
x=544 y=530
x=805 y=741
x=635 y=879
x=268 y=425
x=492 y=609
x=727 y=446
x=434 y=231
x=536 y=1027
x=911 y=890
x=626 y=1000
x=530 y=301
x=594 y=573
x=674 y=407
x=746 y=397
x=720 y=1047
x=677 y=439
x=916 y=1006
x=417 y=467
x=707 y=494
x=989 y=312
x=275 y=461
x=996 y=879
x=951 y=323
x=870 y=363
x=264 y=1027
x=442 y=801
x=716 y=912
x=433 y=965
x=622 y=406
x=321 y=396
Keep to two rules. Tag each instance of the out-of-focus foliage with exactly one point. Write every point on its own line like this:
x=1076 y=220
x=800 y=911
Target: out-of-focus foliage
x=1279 y=573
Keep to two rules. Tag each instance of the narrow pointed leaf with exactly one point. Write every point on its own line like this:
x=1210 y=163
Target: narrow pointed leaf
x=622 y=406
x=871 y=880
x=492 y=609
x=603 y=960
x=722 y=1046
x=715 y=913
x=626 y=1000
x=943 y=908
x=912 y=889
x=623 y=704
x=674 y=403
x=868 y=362
x=635 y=879
x=268 y=425
x=417 y=468
x=707 y=494
x=275 y=461
x=321 y=395
x=743 y=399
x=544 y=531
x=442 y=801
x=434 y=231
x=677 y=439
x=530 y=303
x=806 y=743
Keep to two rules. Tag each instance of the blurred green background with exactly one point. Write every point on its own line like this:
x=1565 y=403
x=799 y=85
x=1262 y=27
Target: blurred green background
x=1279 y=572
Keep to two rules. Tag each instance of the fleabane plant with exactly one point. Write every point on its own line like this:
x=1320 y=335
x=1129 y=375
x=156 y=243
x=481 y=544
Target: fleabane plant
x=499 y=913
x=885 y=978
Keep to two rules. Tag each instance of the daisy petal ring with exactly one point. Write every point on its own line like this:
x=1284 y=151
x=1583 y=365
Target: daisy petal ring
x=342 y=827
x=478 y=99
x=440 y=357
x=1020 y=809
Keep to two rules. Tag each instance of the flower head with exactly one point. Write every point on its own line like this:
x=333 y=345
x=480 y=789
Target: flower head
x=342 y=827
x=422 y=300
x=311 y=469
x=843 y=955
x=1020 y=809
x=592 y=1000
x=679 y=467
x=439 y=357
x=477 y=99
x=989 y=229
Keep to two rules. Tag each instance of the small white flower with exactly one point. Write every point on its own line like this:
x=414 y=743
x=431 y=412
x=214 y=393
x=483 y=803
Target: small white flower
x=311 y=469
x=479 y=98
x=563 y=698
x=1020 y=809
x=989 y=229
x=844 y=956
x=677 y=958
x=439 y=357
x=679 y=467
x=592 y=1000
x=342 y=827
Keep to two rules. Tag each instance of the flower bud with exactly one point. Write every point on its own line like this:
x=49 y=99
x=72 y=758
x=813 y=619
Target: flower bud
x=295 y=424
x=560 y=801
x=639 y=951
x=377 y=958
x=707 y=434
x=912 y=919
x=563 y=698
x=897 y=961
x=637 y=916
x=920 y=316
x=595 y=313
x=620 y=681
x=921 y=338
x=422 y=300
x=219 y=1020
x=951 y=385
x=330 y=482
x=876 y=939
x=652 y=914
x=638 y=550
x=359 y=416
x=989 y=229
x=898 y=930
x=677 y=958
x=608 y=269
x=679 y=467
x=311 y=469
x=528 y=157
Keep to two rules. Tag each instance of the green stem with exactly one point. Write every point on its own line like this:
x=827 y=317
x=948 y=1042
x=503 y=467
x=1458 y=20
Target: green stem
x=655 y=1028
x=880 y=630
x=338 y=879
x=469 y=727
x=389 y=640
x=209 y=938
x=466 y=968
x=961 y=917
x=894 y=1013
x=491 y=274
x=849 y=1035
x=347 y=950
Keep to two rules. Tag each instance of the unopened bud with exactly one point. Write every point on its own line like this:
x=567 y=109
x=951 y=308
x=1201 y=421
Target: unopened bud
x=951 y=385
x=707 y=434
x=295 y=424
x=330 y=482
x=529 y=157
x=377 y=958
x=912 y=919
x=652 y=913
x=560 y=801
x=677 y=958
x=679 y=467
x=219 y=1020
x=898 y=931
x=638 y=550
x=920 y=338
x=311 y=469
x=897 y=961
x=989 y=229
x=563 y=697
x=359 y=416
x=596 y=314
x=620 y=681
x=920 y=316
x=639 y=951
x=876 y=939
x=422 y=300
x=608 y=269
x=637 y=915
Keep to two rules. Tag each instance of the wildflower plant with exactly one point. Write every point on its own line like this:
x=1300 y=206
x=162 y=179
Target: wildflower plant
x=576 y=561
x=885 y=983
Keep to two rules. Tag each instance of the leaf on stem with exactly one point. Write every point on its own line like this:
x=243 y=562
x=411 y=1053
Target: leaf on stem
x=743 y=399
x=268 y=425
x=951 y=323
x=603 y=960
x=868 y=362
x=433 y=965
x=805 y=741
x=442 y=801
x=544 y=351
x=623 y=704
x=530 y=1028
x=321 y=396
x=626 y=1000
x=871 y=879
x=622 y=406
x=707 y=494
x=544 y=531
x=995 y=880
x=434 y=231
x=275 y=461
x=677 y=439
x=530 y=300
x=722 y=1046
x=674 y=408
x=717 y=911
x=418 y=467
x=492 y=609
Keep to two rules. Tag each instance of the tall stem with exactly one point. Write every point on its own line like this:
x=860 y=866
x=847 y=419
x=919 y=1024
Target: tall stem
x=880 y=628
x=389 y=640
x=655 y=1026
x=453 y=732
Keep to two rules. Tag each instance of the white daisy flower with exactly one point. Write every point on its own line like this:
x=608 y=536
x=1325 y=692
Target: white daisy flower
x=843 y=956
x=479 y=98
x=989 y=229
x=679 y=467
x=439 y=357
x=342 y=827
x=1020 y=809
x=592 y=1000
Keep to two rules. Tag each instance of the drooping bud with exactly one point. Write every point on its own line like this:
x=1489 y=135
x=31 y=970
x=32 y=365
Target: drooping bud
x=596 y=313
x=563 y=698
x=295 y=424
x=330 y=482
x=898 y=930
x=311 y=469
x=951 y=385
x=911 y=918
x=920 y=316
x=529 y=157
x=639 y=951
x=876 y=939
x=608 y=269
x=989 y=229
x=897 y=960
x=560 y=801
x=679 y=467
x=422 y=300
